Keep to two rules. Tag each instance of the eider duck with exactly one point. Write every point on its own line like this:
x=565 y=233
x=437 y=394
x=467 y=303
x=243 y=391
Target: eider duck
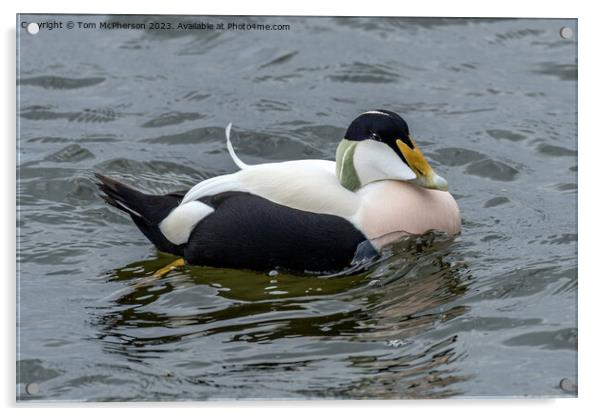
x=301 y=215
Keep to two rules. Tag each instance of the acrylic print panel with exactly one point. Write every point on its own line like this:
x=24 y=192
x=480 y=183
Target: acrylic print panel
x=104 y=315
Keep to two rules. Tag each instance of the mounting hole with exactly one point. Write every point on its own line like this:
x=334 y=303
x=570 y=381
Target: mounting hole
x=32 y=388
x=33 y=28
x=568 y=385
x=566 y=32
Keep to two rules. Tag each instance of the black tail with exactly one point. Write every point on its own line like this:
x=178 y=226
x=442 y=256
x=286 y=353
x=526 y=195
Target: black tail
x=147 y=211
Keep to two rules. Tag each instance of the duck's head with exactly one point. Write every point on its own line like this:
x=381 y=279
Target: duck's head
x=378 y=146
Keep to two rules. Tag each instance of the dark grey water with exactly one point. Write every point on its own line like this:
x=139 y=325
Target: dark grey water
x=493 y=312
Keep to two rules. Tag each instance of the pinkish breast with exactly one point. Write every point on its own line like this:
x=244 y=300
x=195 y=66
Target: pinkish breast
x=393 y=207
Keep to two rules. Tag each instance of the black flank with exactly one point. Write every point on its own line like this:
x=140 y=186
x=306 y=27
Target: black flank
x=250 y=232
x=245 y=231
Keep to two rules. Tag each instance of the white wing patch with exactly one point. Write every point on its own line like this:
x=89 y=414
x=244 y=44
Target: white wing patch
x=180 y=222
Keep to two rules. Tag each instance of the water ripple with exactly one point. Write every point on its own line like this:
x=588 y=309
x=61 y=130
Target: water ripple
x=60 y=83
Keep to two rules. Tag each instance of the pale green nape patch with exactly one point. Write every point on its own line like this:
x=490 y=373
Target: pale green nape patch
x=345 y=168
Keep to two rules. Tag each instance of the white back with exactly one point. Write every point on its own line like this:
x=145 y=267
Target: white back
x=308 y=185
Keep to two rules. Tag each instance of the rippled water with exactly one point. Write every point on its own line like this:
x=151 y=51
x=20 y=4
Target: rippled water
x=493 y=312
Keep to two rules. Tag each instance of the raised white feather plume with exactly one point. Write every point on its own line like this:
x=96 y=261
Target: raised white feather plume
x=235 y=158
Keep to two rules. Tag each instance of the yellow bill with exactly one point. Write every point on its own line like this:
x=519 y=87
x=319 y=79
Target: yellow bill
x=425 y=175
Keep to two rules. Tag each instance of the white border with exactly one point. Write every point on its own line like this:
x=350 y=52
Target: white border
x=590 y=134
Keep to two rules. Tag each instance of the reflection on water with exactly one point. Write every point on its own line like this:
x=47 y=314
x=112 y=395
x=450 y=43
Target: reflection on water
x=382 y=309
x=492 y=103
